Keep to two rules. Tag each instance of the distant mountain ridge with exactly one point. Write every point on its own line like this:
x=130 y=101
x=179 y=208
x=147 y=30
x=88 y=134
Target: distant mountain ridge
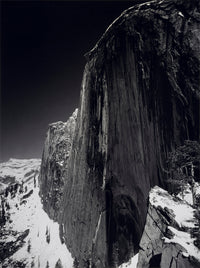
x=15 y=170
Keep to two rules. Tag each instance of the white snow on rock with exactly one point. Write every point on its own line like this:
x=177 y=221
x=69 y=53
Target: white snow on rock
x=184 y=239
x=42 y=243
x=131 y=264
x=183 y=214
x=182 y=211
x=180 y=14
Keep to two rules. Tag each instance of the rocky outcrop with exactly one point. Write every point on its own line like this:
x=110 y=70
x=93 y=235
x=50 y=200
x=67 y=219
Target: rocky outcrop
x=167 y=240
x=54 y=164
x=139 y=100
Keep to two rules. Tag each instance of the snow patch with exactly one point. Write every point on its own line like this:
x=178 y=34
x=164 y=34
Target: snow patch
x=183 y=212
x=184 y=239
x=183 y=215
x=38 y=222
x=131 y=264
x=180 y=14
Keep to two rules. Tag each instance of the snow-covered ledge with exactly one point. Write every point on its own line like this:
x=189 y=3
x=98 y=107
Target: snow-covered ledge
x=167 y=240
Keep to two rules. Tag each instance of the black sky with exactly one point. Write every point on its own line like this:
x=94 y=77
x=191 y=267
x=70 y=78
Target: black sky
x=42 y=62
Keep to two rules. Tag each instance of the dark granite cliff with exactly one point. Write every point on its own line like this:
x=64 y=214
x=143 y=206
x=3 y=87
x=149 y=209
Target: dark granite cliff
x=139 y=100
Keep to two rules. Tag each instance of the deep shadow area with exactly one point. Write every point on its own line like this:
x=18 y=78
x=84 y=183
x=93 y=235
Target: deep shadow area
x=155 y=261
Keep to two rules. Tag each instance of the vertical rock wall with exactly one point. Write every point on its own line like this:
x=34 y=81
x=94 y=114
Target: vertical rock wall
x=139 y=100
x=54 y=164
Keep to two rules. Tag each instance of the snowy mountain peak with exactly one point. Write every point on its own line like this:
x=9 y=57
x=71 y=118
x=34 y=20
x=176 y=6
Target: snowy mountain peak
x=16 y=170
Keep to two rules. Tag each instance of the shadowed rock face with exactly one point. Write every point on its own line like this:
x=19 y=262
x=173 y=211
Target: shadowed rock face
x=139 y=100
x=54 y=164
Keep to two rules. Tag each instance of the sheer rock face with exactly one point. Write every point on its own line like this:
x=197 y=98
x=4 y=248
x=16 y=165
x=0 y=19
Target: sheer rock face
x=139 y=99
x=167 y=240
x=55 y=157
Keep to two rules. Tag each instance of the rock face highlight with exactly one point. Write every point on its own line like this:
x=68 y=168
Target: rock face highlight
x=139 y=100
x=55 y=156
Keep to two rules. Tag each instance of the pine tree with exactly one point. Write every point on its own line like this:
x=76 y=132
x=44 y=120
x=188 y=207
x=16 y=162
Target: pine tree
x=47 y=235
x=183 y=165
x=59 y=264
x=29 y=246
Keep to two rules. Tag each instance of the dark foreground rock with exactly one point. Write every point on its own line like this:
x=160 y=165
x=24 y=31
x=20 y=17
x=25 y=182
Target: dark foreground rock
x=139 y=100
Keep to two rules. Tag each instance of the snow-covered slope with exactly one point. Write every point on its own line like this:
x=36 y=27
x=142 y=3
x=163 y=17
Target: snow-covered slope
x=168 y=239
x=28 y=238
x=131 y=264
x=183 y=214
